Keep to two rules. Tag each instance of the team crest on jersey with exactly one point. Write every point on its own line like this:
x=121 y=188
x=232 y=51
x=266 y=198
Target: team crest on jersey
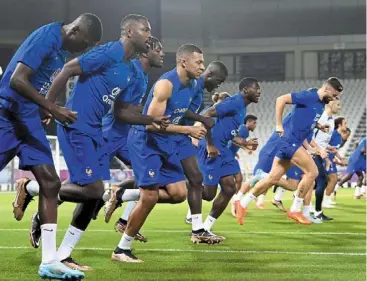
x=151 y=173
x=88 y=171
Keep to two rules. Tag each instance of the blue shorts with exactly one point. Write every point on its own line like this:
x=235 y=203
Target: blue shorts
x=287 y=148
x=185 y=148
x=213 y=169
x=264 y=163
x=85 y=156
x=118 y=148
x=294 y=173
x=154 y=159
x=333 y=169
x=23 y=136
x=356 y=165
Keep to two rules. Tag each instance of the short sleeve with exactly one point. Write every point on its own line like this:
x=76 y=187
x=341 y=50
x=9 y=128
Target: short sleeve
x=227 y=108
x=38 y=48
x=304 y=97
x=94 y=60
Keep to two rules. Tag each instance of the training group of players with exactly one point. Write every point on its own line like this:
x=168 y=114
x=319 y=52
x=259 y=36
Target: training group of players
x=175 y=152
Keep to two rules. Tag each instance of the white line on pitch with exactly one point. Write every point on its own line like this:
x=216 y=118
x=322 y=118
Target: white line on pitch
x=228 y=232
x=213 y=251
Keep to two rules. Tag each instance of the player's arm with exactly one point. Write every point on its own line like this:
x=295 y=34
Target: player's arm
x=207 y=121
x=70 y=69
x=161 y=95
x=319 y=149
x=130 y=114
x=279 y=110
x=250 y=144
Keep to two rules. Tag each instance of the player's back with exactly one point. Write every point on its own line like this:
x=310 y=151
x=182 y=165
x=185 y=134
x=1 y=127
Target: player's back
x=42 y=52
x=306 y=111
x=357 y=153
x=231 y=113
x=105 y=76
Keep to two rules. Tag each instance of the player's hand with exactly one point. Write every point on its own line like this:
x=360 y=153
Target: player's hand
x=333 y=150
x=46 y=116
x=160 y=122
x=252 y=144
x=208 y=122
x=197 y=132
x=324 y=128
x=322 y=153
x=212 y=151
x=344 y=161
x=312 y=151
x=280 y=130
x=63 y=115
x=327 y=164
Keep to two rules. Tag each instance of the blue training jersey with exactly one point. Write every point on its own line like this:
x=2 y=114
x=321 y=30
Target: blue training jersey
x=301 y=121
x=196 y=101
x=134 y=94
x=230 y=115
x=105 y=77
x=357 y=153
x=243 y=132
x=176 y=108
x=336 y=139
x=42 y=52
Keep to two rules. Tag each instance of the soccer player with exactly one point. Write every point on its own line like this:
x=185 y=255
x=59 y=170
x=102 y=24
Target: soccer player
x=356 y=165
x=341 y=126
x=299 y=123
x=244 y=131
x=153 y=151
x=116 y=132
x=24 y=84
x=216 y=161
x=104 y=73
x=213 y=76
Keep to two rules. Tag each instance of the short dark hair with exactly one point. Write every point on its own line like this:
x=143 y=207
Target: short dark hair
x=349 y=130
x=131 y=18
x=187 y=49
x=250 y=117
x=338 y=122
x=247 y=81
x=220 y=66
x=94 y=26
x=335 y=83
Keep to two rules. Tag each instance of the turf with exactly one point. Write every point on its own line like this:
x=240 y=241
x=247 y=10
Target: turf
x=268 y=247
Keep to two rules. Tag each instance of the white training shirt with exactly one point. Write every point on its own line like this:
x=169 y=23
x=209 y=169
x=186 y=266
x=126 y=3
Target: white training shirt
x=321 y=138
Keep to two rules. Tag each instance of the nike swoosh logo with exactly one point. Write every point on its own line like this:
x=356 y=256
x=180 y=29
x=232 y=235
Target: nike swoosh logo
x=71 y=233
x=49 y=230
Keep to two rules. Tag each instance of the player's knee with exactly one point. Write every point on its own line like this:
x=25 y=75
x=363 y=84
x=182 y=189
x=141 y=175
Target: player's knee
x=195 y=179
x=149 y=197
x=179 y=196
x=312 y=174
x=209 y=194
x=273 y=180
x=50 y=187
x=229 y=190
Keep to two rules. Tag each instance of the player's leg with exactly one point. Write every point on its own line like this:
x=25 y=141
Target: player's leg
x=148 y=198
x=358 y=192
x=194 y=191
x=332 y=181
x=228 y=189
x=235 y=199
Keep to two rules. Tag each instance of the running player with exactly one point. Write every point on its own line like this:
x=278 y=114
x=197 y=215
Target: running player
x=308 y=108
x=115 y=132
x=244 y=131
x=356 y=165
x=153 y=151
x=25 y=82
x=216 y=161
x=104 y=73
